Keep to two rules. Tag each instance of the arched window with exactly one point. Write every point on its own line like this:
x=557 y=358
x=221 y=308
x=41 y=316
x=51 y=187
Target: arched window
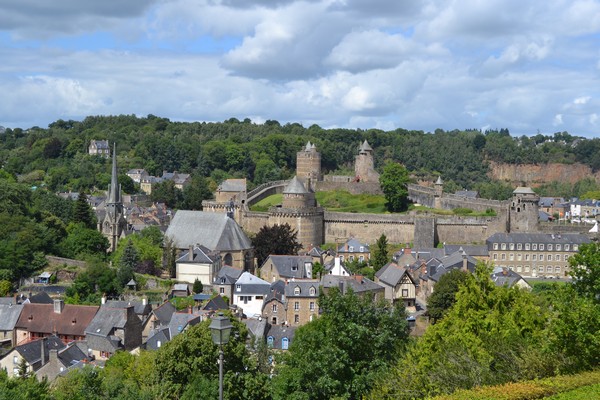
x=228 y=259
x=285 y=343
x=297 y=291
x=270 y=342
x=312 y=291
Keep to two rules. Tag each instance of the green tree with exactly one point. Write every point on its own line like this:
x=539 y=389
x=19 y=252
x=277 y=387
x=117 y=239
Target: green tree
x=276 y=239
x=341 y=353
x=380 y=255
x=444 y=295
x=394 y=181
x=23 y=389
x=127 y=263
x=585 y=270
x=198 y=287
x=83 y=213
x=195 y=193
x=5 y=287
x=166 y=192
x=82 y=241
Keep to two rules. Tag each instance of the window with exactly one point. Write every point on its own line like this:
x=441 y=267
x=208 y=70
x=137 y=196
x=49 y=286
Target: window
x=294 y=268
x=541 y=246
x=503 y=256
x=566 y=257
x=519 y=268
x=274 y=308
x=270 y=342
x=312 y=291
x=362 y=249
x=511 y=246
x=238 y=288
x=511 y=256
x=527 y=268
x=519 y=246
x=297 y=291
x=258 y=297
x=361 y=258
x=296 y=319
x=285 y=343
x=296 y=306
x=503 y=246
x=351 y=248
x=527 y=246
x=404 y=292
x=558 y=247
x=557 y=270
x=15 y=359
x=575 y=247
x=526 y=257
x=222 y=290
x=495 y=256
x=534 y=257
x=567 y=247
x=351 y=258
x=541 y=257
x=550 y=247
x=557 y=257
x=519 y=257
x=549 y=258
x=534 y=246
x=495 y=246
x=312 y=306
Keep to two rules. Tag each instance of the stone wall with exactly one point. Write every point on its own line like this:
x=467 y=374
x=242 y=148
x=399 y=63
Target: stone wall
x=351 y=187
x=368 y=227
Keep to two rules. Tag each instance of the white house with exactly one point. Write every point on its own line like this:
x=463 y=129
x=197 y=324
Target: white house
x=249 y=293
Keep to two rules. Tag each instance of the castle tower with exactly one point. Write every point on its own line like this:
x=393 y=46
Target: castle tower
x=114 y=221
x=308 y=164
x=364 y=166
x=300 y=210
x=439 y=191
x=523 y=212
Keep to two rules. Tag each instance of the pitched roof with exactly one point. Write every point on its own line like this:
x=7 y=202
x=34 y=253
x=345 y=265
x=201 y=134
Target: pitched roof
x=304 y=289
x=138 y=306
x=355 y=244
x=250 y=284
x=159 y=338
x=290 y=266
x=295 y=187
x=32 y=351
x=106 y=320
x=215 y=304
x=213 y=230
x=359 y=284
x=278 y=332
x=365 y=146
x=201 y=255
x=391 y=274
x=517 y=237
x=470 y=249
x=164 y=312
x=41 y=318
x=523 y=190
x=227 y=275
x=9 y=315
x=41 y=298
x=505 y=277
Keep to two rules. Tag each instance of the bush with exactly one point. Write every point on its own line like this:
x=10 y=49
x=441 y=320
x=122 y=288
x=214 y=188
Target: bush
x=462 y=211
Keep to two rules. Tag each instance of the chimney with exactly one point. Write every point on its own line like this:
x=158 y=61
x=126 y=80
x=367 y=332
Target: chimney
x=103 y=299
x=144 y=301
x=191 y=253
x=129 y=312
x=53 y=355
x=59 y=305
x=464 y=260
x=43 y=342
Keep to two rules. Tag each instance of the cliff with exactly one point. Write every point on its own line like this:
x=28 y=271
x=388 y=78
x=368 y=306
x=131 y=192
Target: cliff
x=535 y=175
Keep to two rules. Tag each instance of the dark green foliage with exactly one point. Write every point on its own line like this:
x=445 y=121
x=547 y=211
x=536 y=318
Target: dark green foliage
x=379 y=253
x=83 y=213
x=83 y=241
x=198 y=287
x=166 y=192
x=394 y=181
x=89 y=285
x=127 y=263
x=585 y=271
x=276 y=239
x=195 y=193
x=23 y=388
x=341 y=353
x=444 y=295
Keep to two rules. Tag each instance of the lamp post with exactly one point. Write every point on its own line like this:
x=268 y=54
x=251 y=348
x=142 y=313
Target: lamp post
x=220 y=329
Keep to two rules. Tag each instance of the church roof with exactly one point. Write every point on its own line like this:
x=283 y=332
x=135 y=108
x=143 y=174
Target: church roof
x=213 y=230
x=295 y=187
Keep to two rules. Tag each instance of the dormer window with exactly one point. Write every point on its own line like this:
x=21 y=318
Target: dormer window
x=297 y=291
x=238 y=288
x=351 y=248
x=312 y=291
x=294 y=268
x=362 y=249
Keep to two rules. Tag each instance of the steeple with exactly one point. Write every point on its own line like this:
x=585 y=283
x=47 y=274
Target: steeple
x=115 y=190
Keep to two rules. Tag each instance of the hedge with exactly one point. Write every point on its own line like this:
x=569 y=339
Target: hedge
x=527 y=390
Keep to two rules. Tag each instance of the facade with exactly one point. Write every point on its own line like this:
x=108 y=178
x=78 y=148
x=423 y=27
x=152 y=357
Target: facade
x=9 y=315
x=114 y=223
x=231 y=190
x=281 y=267
x=249 y=294
x=523 y=210
x=398 y=283
x=137 y=174
x=301 y=298
x=99 y=148
x=113 y=329
x=359 y=285
x=353 y=250
x=534 y=254
x=198 y=263
x=35 y=354
x=225 y=279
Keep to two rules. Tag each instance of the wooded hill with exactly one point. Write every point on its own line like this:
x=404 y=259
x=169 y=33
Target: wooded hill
x=57 y=156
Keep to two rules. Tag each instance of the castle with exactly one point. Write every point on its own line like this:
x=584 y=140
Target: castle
x=316 y=226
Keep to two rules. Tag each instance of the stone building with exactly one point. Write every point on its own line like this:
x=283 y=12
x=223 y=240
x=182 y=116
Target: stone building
x=308 y=165
x=364 y=166
x=114 y=223
x=299 y=209
x=100 y=148
x=523 y=211
x=534 y=254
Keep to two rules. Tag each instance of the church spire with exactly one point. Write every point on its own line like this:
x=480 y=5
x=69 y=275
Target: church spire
x=115 y=191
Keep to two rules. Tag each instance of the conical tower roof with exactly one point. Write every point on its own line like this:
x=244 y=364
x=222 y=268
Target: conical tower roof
x=439 y=181
x=308 y=146
x=295 y=186
x=365 y=147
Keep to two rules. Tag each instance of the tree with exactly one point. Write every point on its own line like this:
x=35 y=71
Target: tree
x=82 y=240
x=380 y=255
x=166 y=192
x=443 y=297
x=197 y=288
x=585 y=270
x=394 y=181
x=341 y=353
x=83 y=213
x=195 y=193
x=276 y=239
x=127 y=263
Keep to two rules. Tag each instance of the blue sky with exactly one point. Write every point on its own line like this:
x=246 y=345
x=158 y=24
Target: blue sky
x=527 y=66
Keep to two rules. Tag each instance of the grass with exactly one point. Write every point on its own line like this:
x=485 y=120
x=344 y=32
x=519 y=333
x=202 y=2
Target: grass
x=582 y=393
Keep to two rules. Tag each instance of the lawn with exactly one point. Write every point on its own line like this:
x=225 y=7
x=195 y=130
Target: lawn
x=339 y=200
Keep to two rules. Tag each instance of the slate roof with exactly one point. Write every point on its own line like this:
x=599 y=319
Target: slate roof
x=201 y=255
x=304 y=286
x=502 y=277
x=180 y=321
x=106 y=320
x=233 y=185
x=471 y=194
x=365 y=146
x=391 y=274
x=452 y=261
x=138 y=306
x=278 y=332
x=215 y=304
x=517 y=237
x=358 y=284
x=41 y=298
x=227 y=275
x=295 y=187
x=213 y=230
x=257 y=327
x=439 y=180
x=470 y=249
x=42 y=318
x=251 y=285
x=32 y=351
x=9 y=315
x=355 y=244
x=164 y=312
x=162 y=336
x=289 y=266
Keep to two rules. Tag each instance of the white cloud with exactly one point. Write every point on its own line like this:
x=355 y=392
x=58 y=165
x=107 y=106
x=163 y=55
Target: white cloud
x=581 y=100
x=558 y=120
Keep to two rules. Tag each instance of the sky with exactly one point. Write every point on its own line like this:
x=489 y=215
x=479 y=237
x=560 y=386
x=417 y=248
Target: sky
x=529 y=66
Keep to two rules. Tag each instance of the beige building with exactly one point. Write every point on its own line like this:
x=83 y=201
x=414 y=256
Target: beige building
x=399 y=285
x=534 y=254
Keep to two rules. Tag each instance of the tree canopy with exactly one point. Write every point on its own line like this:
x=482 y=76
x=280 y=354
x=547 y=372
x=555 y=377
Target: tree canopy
x=276 y=239
x=394 y=183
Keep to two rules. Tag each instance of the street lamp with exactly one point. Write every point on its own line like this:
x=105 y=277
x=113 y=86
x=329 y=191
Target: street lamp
x=220 y=329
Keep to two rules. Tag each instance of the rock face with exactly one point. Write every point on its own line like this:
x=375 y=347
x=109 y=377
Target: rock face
x=535 y=175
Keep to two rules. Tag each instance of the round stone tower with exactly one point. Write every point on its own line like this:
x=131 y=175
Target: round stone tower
x=299 y=209
x=523 y=212
x=364 y=166
x=308 y=164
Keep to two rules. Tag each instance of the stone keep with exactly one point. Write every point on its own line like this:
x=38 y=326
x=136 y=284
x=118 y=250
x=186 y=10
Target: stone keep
x=308 y=164
x=523 y=212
